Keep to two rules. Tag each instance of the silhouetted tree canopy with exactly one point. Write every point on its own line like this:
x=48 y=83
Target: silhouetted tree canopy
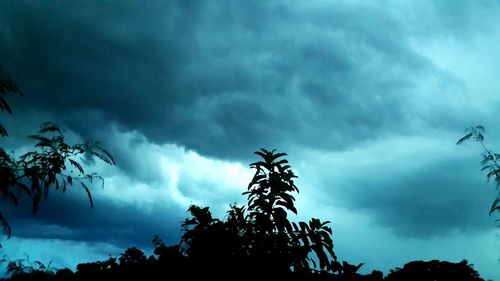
x=435 y=271
x=259 y=235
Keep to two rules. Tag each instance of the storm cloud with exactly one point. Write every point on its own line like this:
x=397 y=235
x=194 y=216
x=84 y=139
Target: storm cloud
x=222 y=79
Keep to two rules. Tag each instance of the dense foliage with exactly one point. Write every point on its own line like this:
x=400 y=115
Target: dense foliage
x=260 y=233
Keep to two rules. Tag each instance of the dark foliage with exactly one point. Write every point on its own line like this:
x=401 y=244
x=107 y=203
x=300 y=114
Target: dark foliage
x=435 y=271
x=6 y=86
x=490 y=162
x=169 y=263
x=52 y=164
x=259 y=235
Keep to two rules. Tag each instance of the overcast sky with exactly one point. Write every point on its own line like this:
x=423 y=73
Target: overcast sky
x=368 y=98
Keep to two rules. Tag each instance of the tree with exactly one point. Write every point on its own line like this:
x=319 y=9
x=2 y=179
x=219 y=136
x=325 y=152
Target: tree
x=46 y=166
x=490 y=162
x=435 y=270
x=259 y=236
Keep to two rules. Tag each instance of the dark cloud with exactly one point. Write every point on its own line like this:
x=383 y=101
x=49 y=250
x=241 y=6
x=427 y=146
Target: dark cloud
x=416 y=194
x=221 y=79
x=69 y=217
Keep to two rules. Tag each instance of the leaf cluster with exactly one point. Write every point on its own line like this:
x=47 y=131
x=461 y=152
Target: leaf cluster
x=53 y=163
x=490 y=162
x=25 y=266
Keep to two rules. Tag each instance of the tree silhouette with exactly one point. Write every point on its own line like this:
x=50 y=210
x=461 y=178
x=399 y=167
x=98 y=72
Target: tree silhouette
x=51 y=164
x=435 y=271
x=490 y=162
x=259 y=235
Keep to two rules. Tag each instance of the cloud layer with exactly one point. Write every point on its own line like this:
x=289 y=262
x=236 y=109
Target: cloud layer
x=222 y=81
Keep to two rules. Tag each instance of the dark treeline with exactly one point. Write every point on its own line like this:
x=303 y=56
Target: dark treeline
x=169 y=263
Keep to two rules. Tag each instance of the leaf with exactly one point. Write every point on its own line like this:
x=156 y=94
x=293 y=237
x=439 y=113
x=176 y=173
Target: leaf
x=111 y=160
x=464 y=138
x=258 y=163
x=495 y=206
x=323 y=259
x=10 y=86
x=284 y=168
x=76 y=165
x=4 y=105
x=88 y=194
x=304 y=226
x=282 y=161
x=6 y=227
x=487 y=167
x=39 y=138
x=287 y=205
x=288 y=226
x=278 y=155
x=104 y=158
x=3 y=131
x=49 y=127
x=287 y=198
x=261 y=154
x=331 y=252
x=328 y=229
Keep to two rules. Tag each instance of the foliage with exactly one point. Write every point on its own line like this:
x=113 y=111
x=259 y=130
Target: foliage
x=51 y=164
x=490 y=162
x=168 y=263
x=260 y=233
x=435 y=270
x=6 y=86
x=24 y=266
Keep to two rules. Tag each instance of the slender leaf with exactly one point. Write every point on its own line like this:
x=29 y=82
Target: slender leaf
x=464 y=138
x=495 y=206
x=76 y=165
x=88 y=194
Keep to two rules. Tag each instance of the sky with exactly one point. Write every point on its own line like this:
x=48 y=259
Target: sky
x=368 y=98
